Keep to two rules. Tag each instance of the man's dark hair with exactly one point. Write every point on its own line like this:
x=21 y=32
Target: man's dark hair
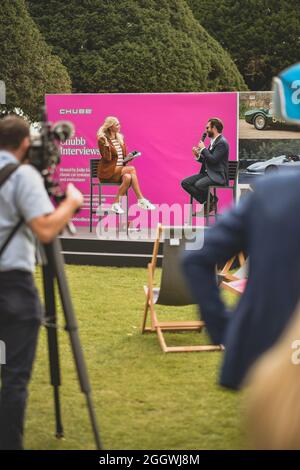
x=13 y=130
x=217 y=123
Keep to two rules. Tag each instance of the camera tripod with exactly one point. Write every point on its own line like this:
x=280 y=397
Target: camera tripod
x=53 y=270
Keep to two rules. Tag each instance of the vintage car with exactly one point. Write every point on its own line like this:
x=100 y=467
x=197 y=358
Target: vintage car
x=261 y=118
x=274 y=164
x=264 y=167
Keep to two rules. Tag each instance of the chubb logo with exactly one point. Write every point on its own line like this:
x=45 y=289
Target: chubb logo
x=76 y=111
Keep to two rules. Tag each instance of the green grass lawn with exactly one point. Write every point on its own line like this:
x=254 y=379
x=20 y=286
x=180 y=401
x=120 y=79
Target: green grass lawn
x=144 y=399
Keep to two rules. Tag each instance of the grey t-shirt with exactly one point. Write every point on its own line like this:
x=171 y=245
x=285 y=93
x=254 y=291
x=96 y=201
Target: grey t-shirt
x=22 y=195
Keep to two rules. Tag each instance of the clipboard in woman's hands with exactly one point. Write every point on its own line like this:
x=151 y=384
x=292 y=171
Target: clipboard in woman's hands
x=131 y=156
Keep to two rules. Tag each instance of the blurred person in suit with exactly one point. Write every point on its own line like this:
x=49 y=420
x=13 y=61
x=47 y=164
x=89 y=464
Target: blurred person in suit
x=265 y=225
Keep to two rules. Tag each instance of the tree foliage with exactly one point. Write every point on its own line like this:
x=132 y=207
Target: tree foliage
x=135 y=46
x=262 y=36
x=27 y=64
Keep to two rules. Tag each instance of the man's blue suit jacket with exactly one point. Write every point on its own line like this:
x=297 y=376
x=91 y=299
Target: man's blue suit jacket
x=215 y=161
x=266 y=225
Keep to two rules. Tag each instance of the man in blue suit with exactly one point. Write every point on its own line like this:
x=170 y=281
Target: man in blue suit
x=214 y=168
x=266 y=225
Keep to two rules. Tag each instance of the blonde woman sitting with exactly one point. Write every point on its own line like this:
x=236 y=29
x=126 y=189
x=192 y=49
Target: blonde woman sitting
x=111 y=167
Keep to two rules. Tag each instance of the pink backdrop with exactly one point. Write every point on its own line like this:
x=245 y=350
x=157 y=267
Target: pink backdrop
x=164 y=127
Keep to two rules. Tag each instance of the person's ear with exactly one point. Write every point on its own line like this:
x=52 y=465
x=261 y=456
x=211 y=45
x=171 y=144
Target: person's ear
x=25 y=144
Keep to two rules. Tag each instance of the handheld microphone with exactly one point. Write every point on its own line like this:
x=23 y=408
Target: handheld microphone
x=204 y=135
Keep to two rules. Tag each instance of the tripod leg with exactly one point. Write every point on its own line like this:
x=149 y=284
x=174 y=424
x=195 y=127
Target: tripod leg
x=49 y=295
x=55 y=259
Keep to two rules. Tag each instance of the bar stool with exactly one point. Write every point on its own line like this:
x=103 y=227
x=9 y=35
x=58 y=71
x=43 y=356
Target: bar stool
x=233 y=167
x=94 y=176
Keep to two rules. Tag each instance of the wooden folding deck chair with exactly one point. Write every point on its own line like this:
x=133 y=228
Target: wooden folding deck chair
x=173 y=290
x=238 y=281
x=225 y=272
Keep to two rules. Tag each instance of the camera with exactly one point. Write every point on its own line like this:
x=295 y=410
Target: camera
x=44 y=152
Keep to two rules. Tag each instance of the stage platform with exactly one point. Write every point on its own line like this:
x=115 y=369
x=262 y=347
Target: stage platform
x=110 y=249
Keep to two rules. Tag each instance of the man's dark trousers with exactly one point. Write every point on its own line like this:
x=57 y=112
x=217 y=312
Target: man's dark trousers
x=20 y=319
x=214 y=170
x=197 y=186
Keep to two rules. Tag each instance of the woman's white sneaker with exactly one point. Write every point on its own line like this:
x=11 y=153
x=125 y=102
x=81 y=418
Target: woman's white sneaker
x=145 y=204
x=117 y=208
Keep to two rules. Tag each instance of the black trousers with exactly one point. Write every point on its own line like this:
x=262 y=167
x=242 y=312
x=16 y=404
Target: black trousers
x=20 y=319
x=197 y=186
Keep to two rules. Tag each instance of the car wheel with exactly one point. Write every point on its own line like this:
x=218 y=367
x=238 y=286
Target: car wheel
x=260 y=122
x=271 y=169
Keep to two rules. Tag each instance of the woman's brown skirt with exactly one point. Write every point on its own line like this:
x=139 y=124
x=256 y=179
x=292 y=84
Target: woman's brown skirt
x=115 y=178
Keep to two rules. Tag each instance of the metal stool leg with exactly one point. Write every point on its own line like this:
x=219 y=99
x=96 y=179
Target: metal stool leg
x=100 y=208
x=91 y=205
x=216 y=203
x=207 y=206
x=191 y=211
x=119 y=223
x=127 y=213
x=123 y=219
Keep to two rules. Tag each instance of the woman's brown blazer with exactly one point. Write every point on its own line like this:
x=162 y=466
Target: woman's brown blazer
x=108 y=158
